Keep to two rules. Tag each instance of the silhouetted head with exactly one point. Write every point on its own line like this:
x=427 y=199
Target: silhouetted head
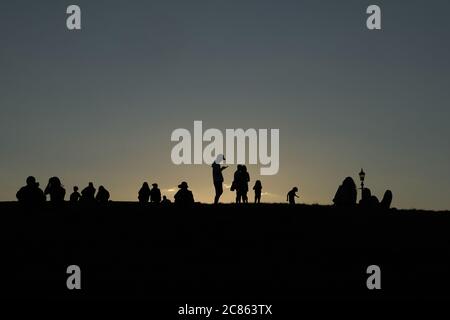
x=183 y=185
x=155 y=185
x=145 y=185
x=164 y=198
x=239 y=167
x=349 y=183
x=258 y=183
x=54 y=182
x=244 y=168
x=295 y=189
x=91 y=184
x=75 y=188
x=220 y=158
x=101 y=188
x=31 y=181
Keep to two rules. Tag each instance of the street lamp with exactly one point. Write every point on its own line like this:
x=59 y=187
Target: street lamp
x=362 y=175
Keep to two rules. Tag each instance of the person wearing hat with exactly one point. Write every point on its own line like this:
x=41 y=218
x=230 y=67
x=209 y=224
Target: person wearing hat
x=155 y=194
x=218 y=177
x=184 y=197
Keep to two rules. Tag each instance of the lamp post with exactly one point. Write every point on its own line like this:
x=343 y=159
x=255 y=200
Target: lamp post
x=362 y=175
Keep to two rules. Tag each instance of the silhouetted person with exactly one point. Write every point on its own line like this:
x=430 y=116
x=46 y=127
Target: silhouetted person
x=291 y=195
x=88 y=194
x=387 y=200
x=366 y=199
x=218 y=177
x=155 y=194
x=165 y=201
x=144 y=193
x=346 y=194
x=75 y=195
x=30 y=194
x=245 y=178
x=184 y=197
x=258 y=188
x=236 y=184
x=102 y=195
x=240 y=183
x=55 y=190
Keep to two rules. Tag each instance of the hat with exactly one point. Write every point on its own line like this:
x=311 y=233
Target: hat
x=183 y=185
x=154 y=184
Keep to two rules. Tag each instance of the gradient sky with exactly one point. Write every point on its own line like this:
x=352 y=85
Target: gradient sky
x=100 y=104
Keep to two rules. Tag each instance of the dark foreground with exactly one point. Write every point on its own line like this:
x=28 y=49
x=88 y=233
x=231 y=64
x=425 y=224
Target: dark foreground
x=226 y=253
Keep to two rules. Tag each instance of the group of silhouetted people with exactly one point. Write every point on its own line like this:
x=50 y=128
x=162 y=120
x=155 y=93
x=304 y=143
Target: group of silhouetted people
x=31 y=193
x=346 y=197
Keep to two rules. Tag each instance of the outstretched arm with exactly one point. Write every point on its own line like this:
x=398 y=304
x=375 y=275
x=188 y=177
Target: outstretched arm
x=223 y=168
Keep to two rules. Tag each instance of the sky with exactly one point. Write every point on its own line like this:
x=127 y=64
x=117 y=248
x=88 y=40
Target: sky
x=100 y=104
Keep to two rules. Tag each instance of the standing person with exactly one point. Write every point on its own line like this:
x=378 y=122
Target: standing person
x=144 y=193
x=292 y=195
x=237 y=183
x=245 y=178
x=155 y=194
x=75 y=196
x=55 y=190
x=218 y=177
x=257 y=187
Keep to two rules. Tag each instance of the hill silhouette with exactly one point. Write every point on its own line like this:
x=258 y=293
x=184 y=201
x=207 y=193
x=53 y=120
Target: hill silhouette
x=214 y=252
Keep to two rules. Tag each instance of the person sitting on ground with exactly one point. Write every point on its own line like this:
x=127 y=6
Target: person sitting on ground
x=102 y=195
x=184 y=197
x=55 y=190
x=144 y=193
x=75 y=196
x=291 y=195
x=346 y=194
x=258 y=188
x=165 y=201
x=30 y=194
x=387 y=200
x=88 y=194
x=155 y=194
x=366 y=199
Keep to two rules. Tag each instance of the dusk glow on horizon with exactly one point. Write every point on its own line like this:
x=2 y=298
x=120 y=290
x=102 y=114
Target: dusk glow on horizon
x=100 y=104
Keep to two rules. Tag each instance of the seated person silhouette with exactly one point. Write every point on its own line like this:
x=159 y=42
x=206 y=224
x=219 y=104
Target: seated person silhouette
x=30 y=194
x=368 y=201
x=88 y=194
x=165 y=201
x=346 y=194
x=144 y=193
x=291 y=195
x=55 y=190
x=155 y=194
x=366 y=198
x=184 y=197
x=258 y=188
x=102 y=196
x=75 y=195
x=387 y=200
